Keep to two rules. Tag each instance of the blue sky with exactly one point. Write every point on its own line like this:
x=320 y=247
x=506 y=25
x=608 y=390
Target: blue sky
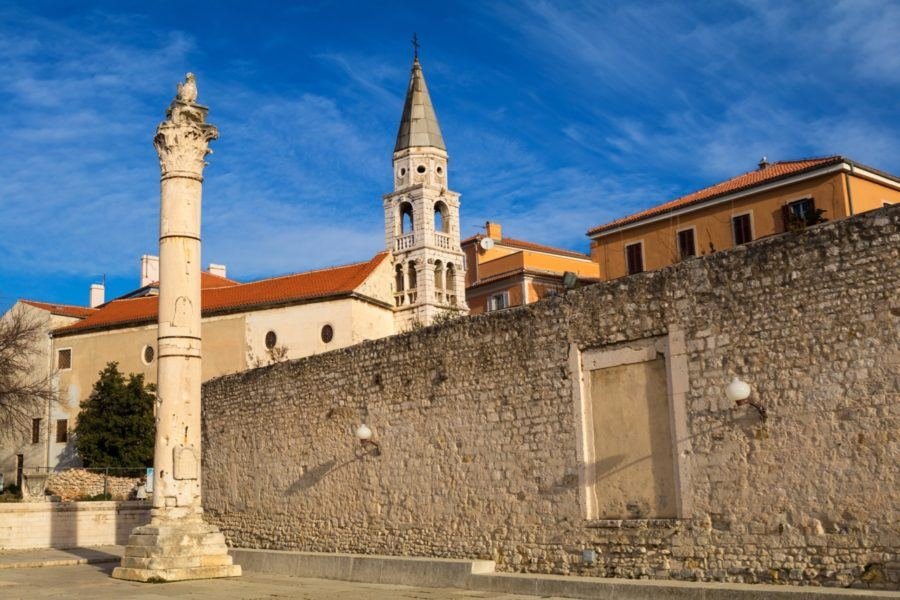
x=557 y=116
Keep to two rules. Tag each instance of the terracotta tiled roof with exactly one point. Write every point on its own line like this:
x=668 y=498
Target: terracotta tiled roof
x=208 y=280
x=66 y=310
x=523 y=245
x=323 y=283
x=772 y=172
x=514 y=273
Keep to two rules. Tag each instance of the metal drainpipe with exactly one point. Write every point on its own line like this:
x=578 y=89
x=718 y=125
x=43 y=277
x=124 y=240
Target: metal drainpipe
x=849 y=193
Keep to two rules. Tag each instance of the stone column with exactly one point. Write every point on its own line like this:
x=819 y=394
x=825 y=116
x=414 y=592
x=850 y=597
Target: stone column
x=177 y=544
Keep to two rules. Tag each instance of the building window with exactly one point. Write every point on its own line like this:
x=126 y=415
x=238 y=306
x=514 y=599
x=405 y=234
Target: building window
x=35 y=431
x=498 y=301
x=686 y=245
x=327 y=333
x=634 y=258
x=741 y=229
x=802 y=209
x=64 y=359
x=271 y=340
x=148 y=354
x=62 y=431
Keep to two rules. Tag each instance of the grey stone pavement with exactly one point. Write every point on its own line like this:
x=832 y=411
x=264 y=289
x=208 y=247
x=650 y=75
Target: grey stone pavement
x=93 y=581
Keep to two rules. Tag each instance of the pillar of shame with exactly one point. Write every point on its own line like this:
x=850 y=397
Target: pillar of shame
x=177 y=544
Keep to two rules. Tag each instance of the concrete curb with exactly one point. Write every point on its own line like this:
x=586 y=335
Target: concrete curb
x=480 y=575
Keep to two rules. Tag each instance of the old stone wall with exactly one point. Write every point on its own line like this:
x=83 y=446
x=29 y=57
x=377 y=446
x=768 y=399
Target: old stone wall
x=479 y=429
x=79 y=484
x=69 y=524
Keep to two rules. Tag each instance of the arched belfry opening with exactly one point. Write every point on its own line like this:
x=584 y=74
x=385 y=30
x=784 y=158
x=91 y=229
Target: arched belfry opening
x=450 y=284
x=441 y=217
x=406 y=218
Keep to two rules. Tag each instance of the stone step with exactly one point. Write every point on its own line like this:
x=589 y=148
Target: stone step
x=480 y=575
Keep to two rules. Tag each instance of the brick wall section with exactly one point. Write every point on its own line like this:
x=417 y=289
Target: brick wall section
x=477 y=426
x=76 y=484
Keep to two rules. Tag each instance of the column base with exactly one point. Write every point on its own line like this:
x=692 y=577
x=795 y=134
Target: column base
x=176 y=552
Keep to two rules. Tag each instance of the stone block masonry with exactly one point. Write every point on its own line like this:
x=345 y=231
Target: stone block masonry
x=480 y=432
x=78 y=484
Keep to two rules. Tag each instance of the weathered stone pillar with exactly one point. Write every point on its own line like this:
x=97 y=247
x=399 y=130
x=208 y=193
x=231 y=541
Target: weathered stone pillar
x=177 y=544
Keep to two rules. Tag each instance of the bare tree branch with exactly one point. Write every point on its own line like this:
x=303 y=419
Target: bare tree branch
x=25 y=385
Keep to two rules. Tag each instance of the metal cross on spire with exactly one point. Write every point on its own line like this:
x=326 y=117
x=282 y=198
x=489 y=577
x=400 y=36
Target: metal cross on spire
x=415 y=43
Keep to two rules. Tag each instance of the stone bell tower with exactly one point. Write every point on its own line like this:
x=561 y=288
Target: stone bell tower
x=421 y=217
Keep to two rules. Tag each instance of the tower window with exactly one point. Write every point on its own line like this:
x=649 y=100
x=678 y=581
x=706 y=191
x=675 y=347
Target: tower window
x=271 y=340
x=406 y=218
x=327 y=333
x=440 y=171
x=420 y=169
x=412 y=276
x=35 y=431
x=402 y=171
x=441 y=217
x=438 y=274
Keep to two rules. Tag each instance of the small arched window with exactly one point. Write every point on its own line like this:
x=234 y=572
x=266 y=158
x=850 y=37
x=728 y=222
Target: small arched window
x=406 y=218
x=398 y=278
x=451 y=279
x=441 y=217
x=412 y=276
x=438 y=275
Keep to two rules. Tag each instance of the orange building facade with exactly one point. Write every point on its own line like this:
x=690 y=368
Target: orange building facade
x=505 y=272
x=775 y=198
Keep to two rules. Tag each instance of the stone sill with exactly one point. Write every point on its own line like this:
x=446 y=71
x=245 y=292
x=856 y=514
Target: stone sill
x=80 y=506
x=635 y=523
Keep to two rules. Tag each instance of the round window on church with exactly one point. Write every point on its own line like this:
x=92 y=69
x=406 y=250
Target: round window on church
x=420 y=169
x=440 y=171
x=402 y=172
x=147 y=355
x=327 y=333
x=271 y=340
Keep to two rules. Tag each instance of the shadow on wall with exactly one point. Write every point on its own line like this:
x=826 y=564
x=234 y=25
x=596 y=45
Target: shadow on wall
x=313 y=476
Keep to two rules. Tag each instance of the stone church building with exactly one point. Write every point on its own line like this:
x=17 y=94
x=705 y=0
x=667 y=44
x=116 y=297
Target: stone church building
x=419 y=276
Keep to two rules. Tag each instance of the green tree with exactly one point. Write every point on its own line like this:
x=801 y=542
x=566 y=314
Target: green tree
x=116 y=426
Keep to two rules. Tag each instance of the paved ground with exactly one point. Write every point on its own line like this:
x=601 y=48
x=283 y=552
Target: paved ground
x=94 y=582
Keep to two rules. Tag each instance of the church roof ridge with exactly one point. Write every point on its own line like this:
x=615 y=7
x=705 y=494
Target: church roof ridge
x=274 y=291
x=418 y=125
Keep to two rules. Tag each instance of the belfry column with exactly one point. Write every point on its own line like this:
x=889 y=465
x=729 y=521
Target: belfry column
x=177 y=544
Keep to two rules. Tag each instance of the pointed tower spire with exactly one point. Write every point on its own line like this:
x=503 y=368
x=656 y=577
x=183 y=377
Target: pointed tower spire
x=418 y=125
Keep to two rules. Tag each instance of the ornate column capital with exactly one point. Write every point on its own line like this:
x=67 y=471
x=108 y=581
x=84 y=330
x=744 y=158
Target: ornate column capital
x=182 y=140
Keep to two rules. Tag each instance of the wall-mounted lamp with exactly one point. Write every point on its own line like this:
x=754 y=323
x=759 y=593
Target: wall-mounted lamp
x=738 y=391
x=364 y=435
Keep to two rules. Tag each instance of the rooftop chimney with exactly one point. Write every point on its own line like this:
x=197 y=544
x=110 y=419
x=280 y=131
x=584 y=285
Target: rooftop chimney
x=219 y=270
x=98 y=294
x=493 y=230
x=149 y=269
x=764 y=163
